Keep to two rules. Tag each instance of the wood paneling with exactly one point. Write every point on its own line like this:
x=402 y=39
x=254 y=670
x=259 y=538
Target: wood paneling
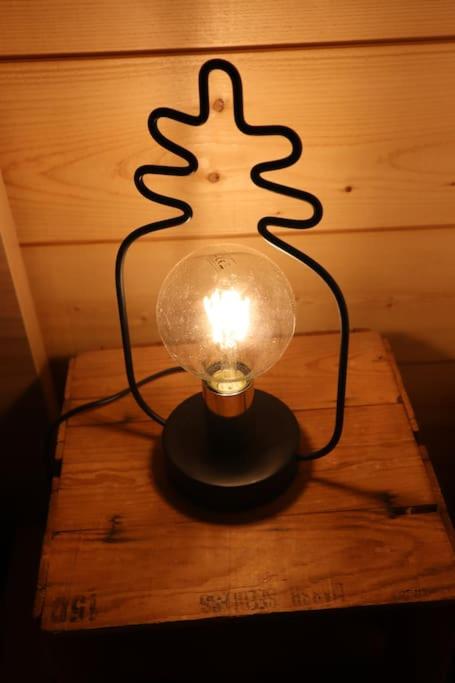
x=401 y=284
x=376 y=123
x=322 y=546
x=97 y=26
x=23 y=359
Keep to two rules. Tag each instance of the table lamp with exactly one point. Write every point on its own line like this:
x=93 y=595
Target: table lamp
x=226 y=313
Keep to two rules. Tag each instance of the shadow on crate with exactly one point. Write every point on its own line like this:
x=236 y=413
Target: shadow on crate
x=431 y=389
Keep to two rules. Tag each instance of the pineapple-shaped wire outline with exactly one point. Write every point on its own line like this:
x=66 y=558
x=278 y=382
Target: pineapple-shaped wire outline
x=186 y=214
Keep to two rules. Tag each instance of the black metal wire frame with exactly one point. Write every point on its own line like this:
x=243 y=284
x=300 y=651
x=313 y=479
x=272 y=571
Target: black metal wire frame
x=186 y=213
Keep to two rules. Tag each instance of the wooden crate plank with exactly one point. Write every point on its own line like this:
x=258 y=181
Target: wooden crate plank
x=364 y=425
x=73 y=132
x=61 y=430
x=186 y=572
x=96 y=27
x=305 y=377
x=404 y=396
x=125 y=411
x=115 y=472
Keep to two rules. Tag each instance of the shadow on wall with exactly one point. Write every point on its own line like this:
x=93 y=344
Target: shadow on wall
x=431 y=389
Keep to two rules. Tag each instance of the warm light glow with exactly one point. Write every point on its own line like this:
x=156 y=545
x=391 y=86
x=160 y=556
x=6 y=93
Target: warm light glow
x=229 y=316
x=226 y=313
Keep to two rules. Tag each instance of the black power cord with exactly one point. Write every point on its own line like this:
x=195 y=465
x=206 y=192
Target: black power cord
x=98 y=403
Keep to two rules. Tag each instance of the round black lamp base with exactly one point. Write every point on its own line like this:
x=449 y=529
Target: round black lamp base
x=231 y=463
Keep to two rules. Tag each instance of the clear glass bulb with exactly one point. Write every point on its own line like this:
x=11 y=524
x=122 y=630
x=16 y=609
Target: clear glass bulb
x=226 y=313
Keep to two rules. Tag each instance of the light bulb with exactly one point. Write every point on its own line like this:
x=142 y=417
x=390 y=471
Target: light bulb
x=226 y=313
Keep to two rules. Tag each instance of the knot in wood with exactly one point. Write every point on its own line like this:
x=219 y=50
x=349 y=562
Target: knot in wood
x=218 y=105
x=213 y=177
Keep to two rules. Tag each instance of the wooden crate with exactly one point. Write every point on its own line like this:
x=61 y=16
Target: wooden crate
x=364 y=526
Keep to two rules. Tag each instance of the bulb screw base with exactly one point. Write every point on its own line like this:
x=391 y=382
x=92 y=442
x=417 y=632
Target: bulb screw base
x=228 y=405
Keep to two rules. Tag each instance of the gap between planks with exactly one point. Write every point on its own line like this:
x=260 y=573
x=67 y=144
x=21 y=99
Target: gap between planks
x=171 y=238
x=227 y=49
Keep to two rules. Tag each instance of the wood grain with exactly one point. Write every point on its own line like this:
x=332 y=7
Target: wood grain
x=402 y=285
x=56 y=26
x=123 y=549
x=377 y=153
x=23 y=359
x=305 y=377
x=368 y=470
x=180 y=577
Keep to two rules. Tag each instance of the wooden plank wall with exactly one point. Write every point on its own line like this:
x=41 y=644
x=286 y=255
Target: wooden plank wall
x=23 y=358
x=27 y=399
x=370 y=87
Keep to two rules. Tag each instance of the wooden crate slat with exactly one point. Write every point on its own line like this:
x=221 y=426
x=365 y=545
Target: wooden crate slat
x=317 y=561
x=305 y=377
x=109 y=472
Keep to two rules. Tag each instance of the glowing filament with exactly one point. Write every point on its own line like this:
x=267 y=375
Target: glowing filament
x=229 y=317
